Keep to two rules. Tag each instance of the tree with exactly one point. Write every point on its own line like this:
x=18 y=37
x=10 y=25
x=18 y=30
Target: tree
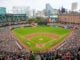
x=38 y=20
x=31 y=20
x=41 y=20
x=63 y=10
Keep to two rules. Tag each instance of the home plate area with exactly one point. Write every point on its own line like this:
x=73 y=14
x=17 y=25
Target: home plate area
x=40 y=45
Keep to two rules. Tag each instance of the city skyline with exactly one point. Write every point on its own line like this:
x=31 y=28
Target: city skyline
x=38 y=4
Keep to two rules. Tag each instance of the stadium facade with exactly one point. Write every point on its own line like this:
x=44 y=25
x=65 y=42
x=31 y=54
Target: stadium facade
x=12 y=18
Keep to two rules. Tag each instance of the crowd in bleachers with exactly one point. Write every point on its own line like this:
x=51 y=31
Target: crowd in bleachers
x=7 y=41
x=55 y=55
x=69 y=50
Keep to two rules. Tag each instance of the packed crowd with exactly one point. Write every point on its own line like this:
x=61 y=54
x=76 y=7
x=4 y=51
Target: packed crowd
x=9 y=50
x=7 y=41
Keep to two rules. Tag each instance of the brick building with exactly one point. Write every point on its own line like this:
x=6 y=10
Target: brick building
x=69 y=18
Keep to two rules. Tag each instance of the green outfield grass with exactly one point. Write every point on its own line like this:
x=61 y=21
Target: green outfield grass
x=43 y=41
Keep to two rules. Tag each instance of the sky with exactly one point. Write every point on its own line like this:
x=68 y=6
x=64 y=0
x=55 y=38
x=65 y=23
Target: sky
x=38 y=4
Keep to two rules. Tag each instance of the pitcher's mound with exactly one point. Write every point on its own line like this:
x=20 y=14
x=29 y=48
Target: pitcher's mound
x=40 y=38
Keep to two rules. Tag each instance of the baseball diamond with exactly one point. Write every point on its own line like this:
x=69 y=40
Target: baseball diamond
x=41 y=38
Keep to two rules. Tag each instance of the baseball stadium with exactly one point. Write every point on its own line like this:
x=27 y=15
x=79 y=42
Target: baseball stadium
x=54 y=35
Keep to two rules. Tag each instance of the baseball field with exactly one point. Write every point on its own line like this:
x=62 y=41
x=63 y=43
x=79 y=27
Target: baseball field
x=41 y=38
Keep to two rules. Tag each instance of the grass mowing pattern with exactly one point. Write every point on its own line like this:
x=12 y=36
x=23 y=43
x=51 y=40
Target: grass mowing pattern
x=21 y=33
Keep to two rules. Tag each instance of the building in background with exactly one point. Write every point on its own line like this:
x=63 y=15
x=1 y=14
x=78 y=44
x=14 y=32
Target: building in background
x=48 y=10
x=19 y=10
x=74 y=6
x=51 y=13
x=2 y=10
x=34 y=13
x=23 y=10
x=7 y=19
x=54 y=18
x=40 y=14
x=30 y=12
x=69 y=18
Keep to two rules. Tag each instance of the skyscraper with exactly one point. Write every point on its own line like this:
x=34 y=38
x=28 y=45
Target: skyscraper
x=50 y=11
x=74 y=6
